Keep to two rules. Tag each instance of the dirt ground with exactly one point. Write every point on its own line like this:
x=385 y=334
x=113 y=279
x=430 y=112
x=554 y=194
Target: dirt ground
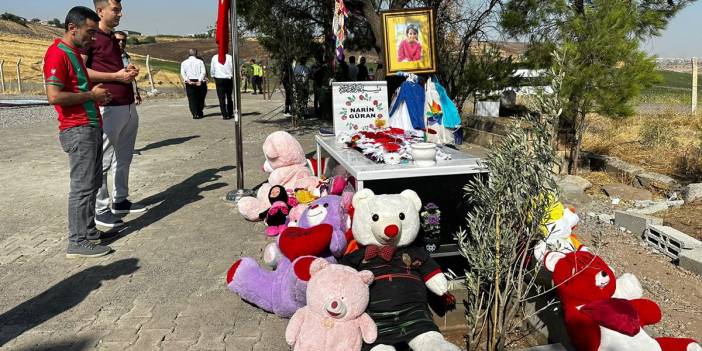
x=677 y=291
x=687 y=219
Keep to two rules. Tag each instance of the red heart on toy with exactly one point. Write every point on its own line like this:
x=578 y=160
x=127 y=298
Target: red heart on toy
x=295 y=242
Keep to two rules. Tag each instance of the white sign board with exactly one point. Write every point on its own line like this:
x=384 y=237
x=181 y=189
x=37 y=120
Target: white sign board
x=359 y=106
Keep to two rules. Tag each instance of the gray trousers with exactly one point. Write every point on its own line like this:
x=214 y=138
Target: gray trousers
x=120 y=125
x=83 y=145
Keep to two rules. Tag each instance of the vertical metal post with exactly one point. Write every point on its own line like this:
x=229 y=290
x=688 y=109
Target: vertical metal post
x=19 y=78
x=43 y=81
x=148 y=69
x=2 y=75
x=694 y=85
x=240 y=191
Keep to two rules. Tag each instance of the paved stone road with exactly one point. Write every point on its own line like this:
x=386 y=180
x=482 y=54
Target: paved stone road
x=163 y=287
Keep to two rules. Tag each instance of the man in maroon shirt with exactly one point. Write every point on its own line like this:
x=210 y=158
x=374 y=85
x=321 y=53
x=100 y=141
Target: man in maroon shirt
x=121 y=121
x=70 y=90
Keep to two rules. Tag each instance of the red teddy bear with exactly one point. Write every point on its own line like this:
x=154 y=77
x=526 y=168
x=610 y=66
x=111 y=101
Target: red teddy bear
x=597 y=321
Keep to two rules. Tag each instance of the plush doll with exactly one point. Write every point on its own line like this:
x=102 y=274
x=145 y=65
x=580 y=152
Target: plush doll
x=282 y=290
x=558 y=230
x=384 y=226
x=276 y=217
x=595 y=319
x=334 y=318
x=286 y=163
x=295 y=214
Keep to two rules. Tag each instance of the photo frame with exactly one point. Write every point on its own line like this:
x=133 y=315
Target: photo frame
x=409 y=40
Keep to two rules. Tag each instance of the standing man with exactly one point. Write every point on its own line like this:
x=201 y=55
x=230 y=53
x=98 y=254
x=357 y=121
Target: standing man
x=193 y=72
x=121 y=121
x=126 y=61
x=69 y=89
x=362 y=70
x=257 y=72
x=353 y=69
x=223 y=76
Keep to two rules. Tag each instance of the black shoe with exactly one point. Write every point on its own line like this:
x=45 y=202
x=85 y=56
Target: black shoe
x=108 y=220
x=86 y=249
x=126 y=206
x=104 y=237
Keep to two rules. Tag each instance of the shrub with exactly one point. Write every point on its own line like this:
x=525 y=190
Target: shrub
x=14 y=18
x=133 y=41
x=148 y=40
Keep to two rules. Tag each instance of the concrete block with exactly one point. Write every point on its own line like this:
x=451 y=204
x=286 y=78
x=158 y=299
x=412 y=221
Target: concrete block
x=655 y=180
x=693 y=192
x=670 y=241
x=617 y=166
x=635 y=222
x=692 y=260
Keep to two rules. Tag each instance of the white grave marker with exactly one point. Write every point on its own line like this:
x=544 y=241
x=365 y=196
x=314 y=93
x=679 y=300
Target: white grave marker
x=359 y=106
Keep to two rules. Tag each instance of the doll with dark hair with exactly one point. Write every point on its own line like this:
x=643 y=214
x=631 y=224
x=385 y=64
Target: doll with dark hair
x=276 y=217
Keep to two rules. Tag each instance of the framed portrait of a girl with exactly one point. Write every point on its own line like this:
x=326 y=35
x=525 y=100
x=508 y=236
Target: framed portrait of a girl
x=409 y=40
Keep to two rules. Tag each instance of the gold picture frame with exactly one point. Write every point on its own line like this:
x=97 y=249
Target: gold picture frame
x=408 y=39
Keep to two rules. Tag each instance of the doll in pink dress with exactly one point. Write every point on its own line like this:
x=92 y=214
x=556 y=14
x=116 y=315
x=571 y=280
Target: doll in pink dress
x=410 y=49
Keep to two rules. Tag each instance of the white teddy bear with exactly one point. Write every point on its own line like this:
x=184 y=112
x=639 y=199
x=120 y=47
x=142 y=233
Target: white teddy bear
x=385 y=226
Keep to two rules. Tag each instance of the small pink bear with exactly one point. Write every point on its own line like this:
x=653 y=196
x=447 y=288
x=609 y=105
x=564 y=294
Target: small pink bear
x=334 y=318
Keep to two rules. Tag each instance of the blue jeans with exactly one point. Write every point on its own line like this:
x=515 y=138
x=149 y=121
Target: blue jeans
x=84 y=147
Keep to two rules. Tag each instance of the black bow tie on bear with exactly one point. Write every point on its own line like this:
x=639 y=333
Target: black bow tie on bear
x=385 y=252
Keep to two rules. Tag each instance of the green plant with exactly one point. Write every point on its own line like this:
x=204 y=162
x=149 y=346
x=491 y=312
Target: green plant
x=504 y=221
x=148 y=40
x=656 y=132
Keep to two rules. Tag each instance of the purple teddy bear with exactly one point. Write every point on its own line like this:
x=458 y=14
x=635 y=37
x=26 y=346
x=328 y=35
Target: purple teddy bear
x=282 y=290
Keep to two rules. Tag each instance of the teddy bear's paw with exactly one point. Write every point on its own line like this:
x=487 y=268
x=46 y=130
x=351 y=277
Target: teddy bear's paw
x=271 y=255
x=694 y=347
x=382 y=347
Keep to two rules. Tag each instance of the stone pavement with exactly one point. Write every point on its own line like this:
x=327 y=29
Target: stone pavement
x=164 y=286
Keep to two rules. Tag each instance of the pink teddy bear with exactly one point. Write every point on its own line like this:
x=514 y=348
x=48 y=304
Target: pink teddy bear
x=286 y=163
x=334 y=318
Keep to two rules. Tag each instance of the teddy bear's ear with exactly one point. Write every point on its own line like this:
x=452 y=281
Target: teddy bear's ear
x=361 y=196
x=366 y=276
x=551 y=259
x=270 y=150
x=412 y=196
x=318 y=265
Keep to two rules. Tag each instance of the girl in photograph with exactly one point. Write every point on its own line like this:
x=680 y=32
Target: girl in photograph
x=410 y=48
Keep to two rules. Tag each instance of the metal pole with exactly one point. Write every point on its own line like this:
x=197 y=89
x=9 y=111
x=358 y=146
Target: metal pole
x=19 y=77
x=148 y=69
x=694 y=85
x=240 y=191
x=2 y=75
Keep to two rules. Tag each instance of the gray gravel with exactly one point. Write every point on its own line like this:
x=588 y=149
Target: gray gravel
x=17 y=116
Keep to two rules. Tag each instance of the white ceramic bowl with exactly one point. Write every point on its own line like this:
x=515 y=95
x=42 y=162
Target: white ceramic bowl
x=424 y=154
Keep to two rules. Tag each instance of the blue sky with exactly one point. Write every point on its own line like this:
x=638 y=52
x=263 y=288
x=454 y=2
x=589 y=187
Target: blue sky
x=193 y=16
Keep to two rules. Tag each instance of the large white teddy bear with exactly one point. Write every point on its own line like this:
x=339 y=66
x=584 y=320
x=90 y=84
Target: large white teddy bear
x=385 y=226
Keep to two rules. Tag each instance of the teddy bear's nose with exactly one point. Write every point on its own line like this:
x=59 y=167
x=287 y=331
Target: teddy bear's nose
x=391 y=230
x=335 y=304
x=314 y=206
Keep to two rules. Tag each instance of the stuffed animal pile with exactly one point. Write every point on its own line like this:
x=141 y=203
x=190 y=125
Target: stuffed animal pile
x=338 y=307
x=596 y=320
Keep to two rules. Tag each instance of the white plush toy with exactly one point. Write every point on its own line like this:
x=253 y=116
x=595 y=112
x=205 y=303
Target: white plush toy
x=385 y=226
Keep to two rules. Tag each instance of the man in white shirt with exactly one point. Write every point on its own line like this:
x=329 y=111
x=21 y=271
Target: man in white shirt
x=193 y=72
x=222 y=75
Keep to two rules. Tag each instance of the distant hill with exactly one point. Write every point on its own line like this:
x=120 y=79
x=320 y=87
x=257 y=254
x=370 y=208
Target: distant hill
x=31 y=30
x=177 y=49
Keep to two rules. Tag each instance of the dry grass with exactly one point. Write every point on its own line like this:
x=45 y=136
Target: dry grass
x=687 y=219
x=32 y=50
x=625 y=140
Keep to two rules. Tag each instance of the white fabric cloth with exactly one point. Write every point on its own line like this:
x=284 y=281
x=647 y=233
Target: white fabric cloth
x=193 y=68
x=222 y=71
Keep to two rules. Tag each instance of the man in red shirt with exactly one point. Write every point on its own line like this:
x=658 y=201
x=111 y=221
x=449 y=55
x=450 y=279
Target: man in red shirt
x=76 y=100
x=104 y=61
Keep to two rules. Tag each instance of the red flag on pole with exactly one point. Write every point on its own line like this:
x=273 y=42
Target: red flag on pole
x=223 y=30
